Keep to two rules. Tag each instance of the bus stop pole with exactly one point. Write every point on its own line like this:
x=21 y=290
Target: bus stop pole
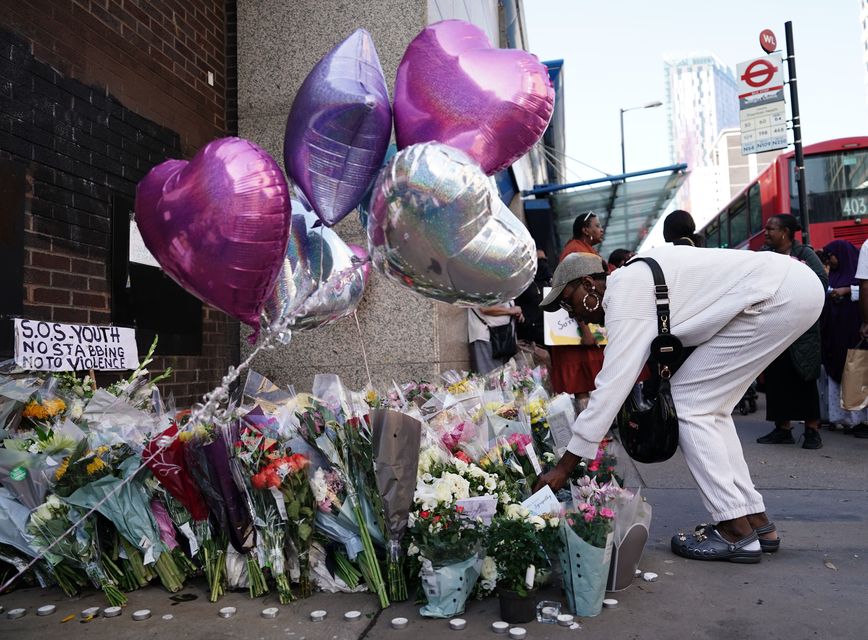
x=797 y=133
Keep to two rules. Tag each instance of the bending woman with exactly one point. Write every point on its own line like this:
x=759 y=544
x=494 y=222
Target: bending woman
x=740 y=310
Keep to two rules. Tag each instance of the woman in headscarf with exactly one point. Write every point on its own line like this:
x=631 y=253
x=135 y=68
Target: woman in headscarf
x=839 y=326
x=740 y=309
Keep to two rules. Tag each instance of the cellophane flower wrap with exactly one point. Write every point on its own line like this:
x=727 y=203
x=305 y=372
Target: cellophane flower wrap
x=70 y=553
x=446 y=546
x=585 y=557
x=396 y=440
x=340 y=443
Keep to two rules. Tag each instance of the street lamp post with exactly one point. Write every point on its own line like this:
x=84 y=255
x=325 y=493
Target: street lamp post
x=650 y=105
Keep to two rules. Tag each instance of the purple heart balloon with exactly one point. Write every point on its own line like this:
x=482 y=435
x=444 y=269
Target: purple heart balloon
x=339 y=128
x=218 y=224
x=454 y=87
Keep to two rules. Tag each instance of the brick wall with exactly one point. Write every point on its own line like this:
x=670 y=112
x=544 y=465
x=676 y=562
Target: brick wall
x=151 y=55
x=92 y=95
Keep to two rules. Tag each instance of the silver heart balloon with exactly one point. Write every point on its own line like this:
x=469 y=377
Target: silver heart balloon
x=296 y=281
x=340 y=273
x=437 y=226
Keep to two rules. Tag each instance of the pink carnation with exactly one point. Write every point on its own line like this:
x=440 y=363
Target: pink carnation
x=607 y=513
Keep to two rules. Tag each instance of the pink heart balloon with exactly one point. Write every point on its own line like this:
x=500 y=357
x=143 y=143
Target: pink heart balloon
x=218 y=224
x=454 y=87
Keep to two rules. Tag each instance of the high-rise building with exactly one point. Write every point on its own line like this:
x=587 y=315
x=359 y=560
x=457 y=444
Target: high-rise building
x=701 y=100
x=863 y=19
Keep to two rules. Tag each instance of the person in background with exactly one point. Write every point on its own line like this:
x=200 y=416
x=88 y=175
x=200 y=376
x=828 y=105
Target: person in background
x=619 y=256
x=478 y=321
x=791 y=379
x=532 y=327
x=862 y=277
x=740 y=309
x=840 y=330
x=574 y=367
x=680 y=229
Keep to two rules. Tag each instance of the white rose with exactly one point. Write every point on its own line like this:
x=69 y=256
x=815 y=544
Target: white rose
x=461 y=466
x=513 y=511
x=412 y=550
x=505 y=498
x=77 y=410
x=490 y=484
x=442 y=490
x=475 y=471
x=427 y=477
x=538 y=523
x=554 y=522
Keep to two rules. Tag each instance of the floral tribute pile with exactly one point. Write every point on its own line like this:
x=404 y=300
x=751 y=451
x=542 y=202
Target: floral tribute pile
x=115 y=488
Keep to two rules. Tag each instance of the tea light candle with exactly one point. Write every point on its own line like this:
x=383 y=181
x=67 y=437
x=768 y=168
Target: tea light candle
x=610 y=603
x=565 y=619
x=318 y=616
x=46 y=610
x=90 y=612
x=227 y=612
x=111 y=612
x=649 y=576
x=530 y=576
x=168 y=616
x=352 y=616
x=500 y=627
x=269 y=613
x=14 y=614
x=518 y=633
x=141 y=614
x=399 y=623
x=457 y=624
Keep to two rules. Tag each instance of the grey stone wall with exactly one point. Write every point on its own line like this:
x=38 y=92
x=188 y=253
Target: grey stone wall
x=405 y=336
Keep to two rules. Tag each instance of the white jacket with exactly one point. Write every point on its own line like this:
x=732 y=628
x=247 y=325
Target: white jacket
x=707 y=289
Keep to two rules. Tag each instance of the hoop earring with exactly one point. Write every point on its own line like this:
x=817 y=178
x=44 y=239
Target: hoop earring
x=596 y=302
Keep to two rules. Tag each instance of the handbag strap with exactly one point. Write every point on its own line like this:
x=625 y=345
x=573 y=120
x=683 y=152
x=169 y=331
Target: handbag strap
x=661 y=293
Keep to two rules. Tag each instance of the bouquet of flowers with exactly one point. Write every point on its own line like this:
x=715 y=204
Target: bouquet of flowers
x=206 y=451
x=340 y=444
x=447 y=547
x=284 y=483
x=80 y=550
x=396 y=440
x=587 y=551
x=601 y=468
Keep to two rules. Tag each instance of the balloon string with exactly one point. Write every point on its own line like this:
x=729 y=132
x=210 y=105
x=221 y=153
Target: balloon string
x=362 y=345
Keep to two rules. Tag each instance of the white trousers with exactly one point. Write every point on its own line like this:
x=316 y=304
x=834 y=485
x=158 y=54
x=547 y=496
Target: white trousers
x=716 y=375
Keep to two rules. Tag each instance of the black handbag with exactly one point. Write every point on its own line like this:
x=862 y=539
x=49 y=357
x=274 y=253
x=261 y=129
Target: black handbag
x=648 y=421
x=502 y=339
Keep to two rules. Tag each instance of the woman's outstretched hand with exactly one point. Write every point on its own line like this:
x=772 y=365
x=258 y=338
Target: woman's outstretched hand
x=558 y=477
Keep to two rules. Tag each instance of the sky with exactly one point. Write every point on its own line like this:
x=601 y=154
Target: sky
x=613 y=58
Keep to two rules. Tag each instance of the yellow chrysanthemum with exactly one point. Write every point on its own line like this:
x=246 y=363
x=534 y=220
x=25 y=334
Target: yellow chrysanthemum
x=462 y=386
x=35 y=410
x=54 y=406
x=95 y=465
x=103 y=449
x=371 y=396
x=61 y=470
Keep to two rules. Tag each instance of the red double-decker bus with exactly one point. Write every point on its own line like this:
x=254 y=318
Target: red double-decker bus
x=836 y=177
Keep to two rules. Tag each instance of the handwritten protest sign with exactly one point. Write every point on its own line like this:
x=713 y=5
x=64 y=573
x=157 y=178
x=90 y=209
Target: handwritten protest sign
x=52 y=346
x=559 y=328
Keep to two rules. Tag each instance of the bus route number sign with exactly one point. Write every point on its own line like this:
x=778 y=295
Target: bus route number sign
x=854 y=206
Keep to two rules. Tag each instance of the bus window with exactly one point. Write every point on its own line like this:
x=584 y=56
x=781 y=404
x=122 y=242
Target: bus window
x=755 y=207
x=712 y=235
x=738 y=223
x=723 y=235
x=836 y=185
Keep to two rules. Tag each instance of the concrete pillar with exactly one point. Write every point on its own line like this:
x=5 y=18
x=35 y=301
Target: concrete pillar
x=405 y=335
